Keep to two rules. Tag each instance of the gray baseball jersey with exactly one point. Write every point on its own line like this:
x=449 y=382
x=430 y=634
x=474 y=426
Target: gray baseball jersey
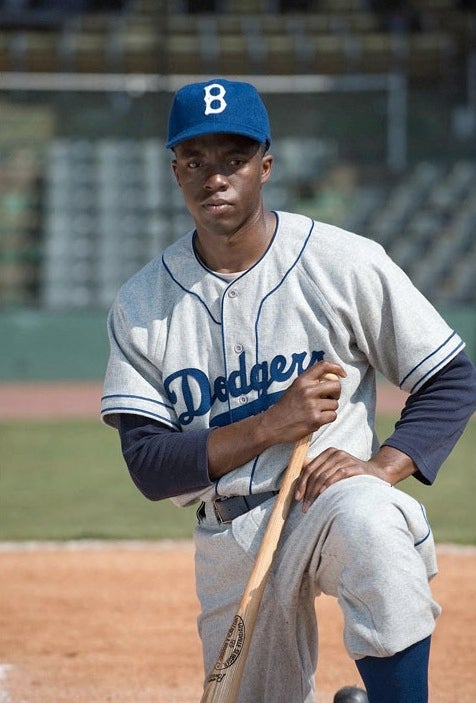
x=193 y=350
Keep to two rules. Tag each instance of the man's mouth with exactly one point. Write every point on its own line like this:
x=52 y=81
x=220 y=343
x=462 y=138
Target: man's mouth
x=216 y=205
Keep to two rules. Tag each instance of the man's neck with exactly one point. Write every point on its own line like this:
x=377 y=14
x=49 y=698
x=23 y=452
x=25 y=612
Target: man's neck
x=236 y=252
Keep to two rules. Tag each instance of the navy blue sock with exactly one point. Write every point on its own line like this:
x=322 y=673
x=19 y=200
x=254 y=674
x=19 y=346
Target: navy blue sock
x=402 y=678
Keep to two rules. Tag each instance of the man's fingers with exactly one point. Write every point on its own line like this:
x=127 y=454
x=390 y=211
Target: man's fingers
x=318 y=474
x=318 y=370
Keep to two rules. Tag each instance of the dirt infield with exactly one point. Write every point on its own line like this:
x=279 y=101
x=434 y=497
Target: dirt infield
x=98 y=623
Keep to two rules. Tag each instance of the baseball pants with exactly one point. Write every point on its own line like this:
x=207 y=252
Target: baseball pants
x=363 y=541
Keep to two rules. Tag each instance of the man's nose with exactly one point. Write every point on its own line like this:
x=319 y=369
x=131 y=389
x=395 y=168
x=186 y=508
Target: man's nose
x=216 y=178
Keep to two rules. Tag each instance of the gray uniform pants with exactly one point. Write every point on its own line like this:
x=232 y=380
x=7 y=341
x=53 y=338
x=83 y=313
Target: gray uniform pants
x=362 y=541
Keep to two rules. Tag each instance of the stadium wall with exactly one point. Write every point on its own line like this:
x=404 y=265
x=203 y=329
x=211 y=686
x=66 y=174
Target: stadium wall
x=46 y=346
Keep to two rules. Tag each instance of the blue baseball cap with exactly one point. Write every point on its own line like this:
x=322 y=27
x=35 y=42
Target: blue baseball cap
x=218 y=106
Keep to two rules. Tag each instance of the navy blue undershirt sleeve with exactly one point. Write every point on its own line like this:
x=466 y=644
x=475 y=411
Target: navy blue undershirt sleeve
x=164 y=463
x=435 y=417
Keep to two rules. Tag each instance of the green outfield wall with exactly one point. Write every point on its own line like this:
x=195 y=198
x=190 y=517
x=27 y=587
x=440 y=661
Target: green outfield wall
x=47 y=346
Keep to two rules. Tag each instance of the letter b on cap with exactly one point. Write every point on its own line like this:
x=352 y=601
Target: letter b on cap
x=214 y=102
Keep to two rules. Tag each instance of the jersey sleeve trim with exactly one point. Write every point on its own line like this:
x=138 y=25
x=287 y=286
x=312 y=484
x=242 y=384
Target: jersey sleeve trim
x=136 y=404
x=432 y=363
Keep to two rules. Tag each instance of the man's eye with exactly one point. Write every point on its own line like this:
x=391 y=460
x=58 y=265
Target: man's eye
x=193 y=164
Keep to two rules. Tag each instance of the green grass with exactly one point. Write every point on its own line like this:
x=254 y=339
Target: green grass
x=67 y=480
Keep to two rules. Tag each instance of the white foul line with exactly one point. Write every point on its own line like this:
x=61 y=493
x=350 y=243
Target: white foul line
x=4 y=669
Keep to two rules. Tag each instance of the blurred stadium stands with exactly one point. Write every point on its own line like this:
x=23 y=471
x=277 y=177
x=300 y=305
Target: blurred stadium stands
x=86 y=194
x=241 y=37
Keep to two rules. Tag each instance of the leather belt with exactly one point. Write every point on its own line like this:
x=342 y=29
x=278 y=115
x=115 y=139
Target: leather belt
x=227 y=509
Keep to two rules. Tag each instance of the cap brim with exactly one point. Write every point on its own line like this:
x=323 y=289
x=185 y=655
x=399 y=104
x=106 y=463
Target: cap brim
x=213 y=129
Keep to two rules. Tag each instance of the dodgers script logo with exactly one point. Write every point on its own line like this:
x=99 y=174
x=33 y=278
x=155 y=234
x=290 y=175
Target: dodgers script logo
x=193 y=389
x=215 y=102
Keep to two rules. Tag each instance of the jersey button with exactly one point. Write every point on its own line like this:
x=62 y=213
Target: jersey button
x=243 y=399
x=238 y=348
x=232 y=293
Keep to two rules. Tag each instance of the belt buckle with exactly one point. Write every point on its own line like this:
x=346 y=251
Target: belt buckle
x=218 y=516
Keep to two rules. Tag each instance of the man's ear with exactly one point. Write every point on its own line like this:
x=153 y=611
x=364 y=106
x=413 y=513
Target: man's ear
x=175 y=171
x=266 y=166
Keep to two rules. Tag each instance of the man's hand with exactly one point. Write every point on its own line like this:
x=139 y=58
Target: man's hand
x=310 y=402
x=334 y=465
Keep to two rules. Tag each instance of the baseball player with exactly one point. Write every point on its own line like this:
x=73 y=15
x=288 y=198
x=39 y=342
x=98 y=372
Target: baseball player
x=217 y=349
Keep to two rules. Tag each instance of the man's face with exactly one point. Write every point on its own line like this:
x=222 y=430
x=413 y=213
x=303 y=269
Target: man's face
x=221 y=177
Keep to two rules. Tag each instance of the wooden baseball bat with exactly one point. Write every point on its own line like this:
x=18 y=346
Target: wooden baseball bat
x=223 y=683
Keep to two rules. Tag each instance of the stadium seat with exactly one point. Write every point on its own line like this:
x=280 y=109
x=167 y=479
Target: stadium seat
x=182 y=53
